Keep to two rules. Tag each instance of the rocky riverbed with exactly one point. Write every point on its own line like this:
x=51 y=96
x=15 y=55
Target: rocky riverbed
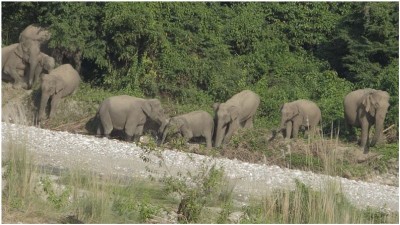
x=66 y=150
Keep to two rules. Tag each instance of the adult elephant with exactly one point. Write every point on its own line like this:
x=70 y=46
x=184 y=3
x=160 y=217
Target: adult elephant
x=31 y=39
x=235 y=113
x=130 y=114
x=364 y=108
x=59 y=83
x=299 y=113
x=14 y=66
x=194 y=124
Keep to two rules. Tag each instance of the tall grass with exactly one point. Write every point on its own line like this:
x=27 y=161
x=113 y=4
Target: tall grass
x=83 y=196
x=306 y=205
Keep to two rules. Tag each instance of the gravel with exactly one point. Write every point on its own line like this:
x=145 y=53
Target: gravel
x=66 y=150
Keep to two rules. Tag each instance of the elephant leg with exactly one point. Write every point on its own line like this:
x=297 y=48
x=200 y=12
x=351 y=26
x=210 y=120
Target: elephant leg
x=289 y=125
x=208 y=138
x=54 y=103
x=248 y=123
x=139 y=132
x=106 y=124
x=233 y=127
x=18 y=82
x=295 y=129
x=364 y=136
x=128 y=138
x=99 y=132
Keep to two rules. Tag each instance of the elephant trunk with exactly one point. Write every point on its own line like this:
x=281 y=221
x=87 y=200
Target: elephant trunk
x=220 y=133
x=169 y=129
x=163 y=125
x=379 y=119
x=33 y=62
x=282 y=126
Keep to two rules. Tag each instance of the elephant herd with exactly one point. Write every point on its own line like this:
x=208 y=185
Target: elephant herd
x=362 y=108
x=24 y=64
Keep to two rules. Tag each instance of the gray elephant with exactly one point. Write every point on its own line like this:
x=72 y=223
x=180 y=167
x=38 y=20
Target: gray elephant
x=31 y=39
x=130 y=114
x=194 y=124
x=364 y=108
x=235 y=113
x=300 y=113
x=14 y=66
x=59 y=83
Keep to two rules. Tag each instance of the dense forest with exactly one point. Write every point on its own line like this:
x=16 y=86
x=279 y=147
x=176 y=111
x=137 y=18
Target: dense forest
x=204 y=52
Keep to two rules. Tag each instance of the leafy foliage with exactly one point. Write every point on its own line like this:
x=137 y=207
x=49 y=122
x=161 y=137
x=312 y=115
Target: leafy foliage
x=207 y=51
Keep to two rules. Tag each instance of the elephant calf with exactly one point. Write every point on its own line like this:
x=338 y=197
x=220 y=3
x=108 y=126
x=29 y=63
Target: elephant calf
x=193 y=124
x=130 y=114
x=300 y=113
x=364 y=108
x=59 y=83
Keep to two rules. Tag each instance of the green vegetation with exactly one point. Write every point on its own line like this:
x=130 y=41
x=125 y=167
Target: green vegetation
x=191 y=55
x=199 y=53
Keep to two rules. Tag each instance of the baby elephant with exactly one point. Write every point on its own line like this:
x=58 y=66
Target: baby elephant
x=193 y=124
x=300 y=113
x=59 y=83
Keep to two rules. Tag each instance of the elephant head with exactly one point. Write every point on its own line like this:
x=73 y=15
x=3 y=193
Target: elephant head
x=51 y=86
x=153 y=109
x=47 y=62
x=376 y=104
x=175 y=125
x=30 y=39
x=226 y=118
x=288 y=112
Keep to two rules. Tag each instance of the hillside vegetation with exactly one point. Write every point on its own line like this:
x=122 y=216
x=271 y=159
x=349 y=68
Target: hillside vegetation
x=204 y=52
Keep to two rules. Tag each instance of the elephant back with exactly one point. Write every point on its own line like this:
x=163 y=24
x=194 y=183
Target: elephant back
x=246 y=101
x=198 y=118
x=6 y=51
x=69 y=75
x=311 y=111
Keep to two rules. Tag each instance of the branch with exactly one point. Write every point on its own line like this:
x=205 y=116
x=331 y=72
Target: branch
x=390 y=127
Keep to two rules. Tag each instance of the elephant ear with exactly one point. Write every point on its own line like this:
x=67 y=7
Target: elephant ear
x=369 y=102
x=234 y=112
x=296 y=110
x=150 y=105
x=59 y=85
x=147 y=108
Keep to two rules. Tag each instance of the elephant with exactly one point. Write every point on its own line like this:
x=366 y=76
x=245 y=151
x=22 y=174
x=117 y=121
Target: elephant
x=31 y=39
x=364 y=108
x=194 y=124
x=235 y=113
x=59 y=83
x=299 y=113
x=14 y=66
x=130 y=114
